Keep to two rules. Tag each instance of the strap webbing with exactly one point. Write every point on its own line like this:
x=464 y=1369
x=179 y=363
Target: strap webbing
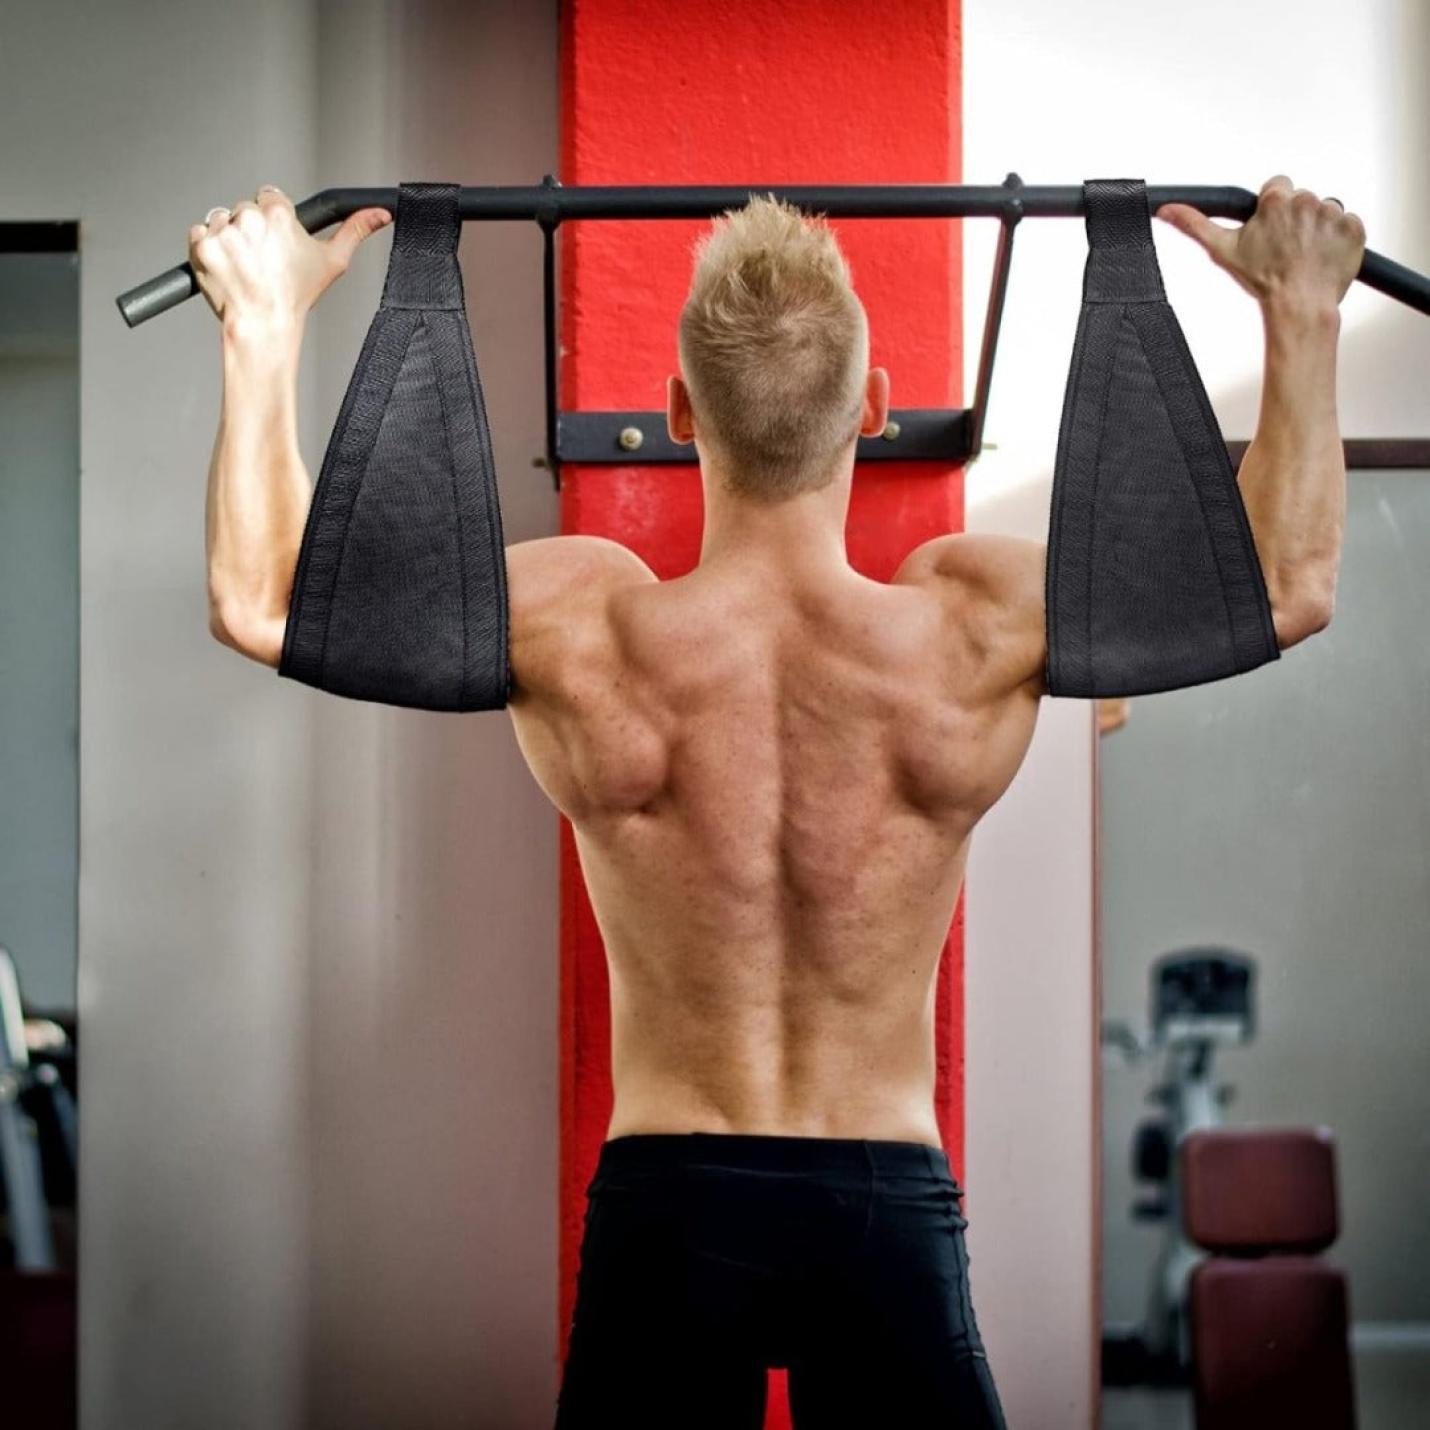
x=399 y=594
x=1152 y=580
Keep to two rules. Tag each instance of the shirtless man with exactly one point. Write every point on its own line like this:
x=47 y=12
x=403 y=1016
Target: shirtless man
x=773 y=766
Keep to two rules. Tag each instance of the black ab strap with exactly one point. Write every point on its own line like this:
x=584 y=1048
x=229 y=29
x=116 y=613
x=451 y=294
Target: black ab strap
x=400 y=594
x=1153 y=582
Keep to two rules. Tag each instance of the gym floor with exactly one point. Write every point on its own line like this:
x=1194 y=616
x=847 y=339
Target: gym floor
x=1392 y=1393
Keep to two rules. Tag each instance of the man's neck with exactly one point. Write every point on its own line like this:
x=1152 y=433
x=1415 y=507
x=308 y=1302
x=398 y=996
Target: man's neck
x=801 y=533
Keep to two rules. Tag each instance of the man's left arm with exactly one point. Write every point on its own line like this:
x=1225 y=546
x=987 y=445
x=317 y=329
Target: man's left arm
x=258 y=491
x=261 y=272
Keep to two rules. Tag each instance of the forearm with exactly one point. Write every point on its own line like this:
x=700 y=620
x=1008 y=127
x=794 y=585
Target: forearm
x=258 y=488
x=1293 y=476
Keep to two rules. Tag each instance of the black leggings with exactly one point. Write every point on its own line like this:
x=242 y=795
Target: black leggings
x=709 y=1257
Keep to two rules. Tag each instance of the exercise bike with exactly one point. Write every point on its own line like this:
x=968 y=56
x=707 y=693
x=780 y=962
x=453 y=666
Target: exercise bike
x=39 y=1135
x=1202 y=998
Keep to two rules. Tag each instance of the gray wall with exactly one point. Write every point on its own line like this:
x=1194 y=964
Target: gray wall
x=1289 y=811
x=1338 y=96
x=1287 y=814
x=1032 y=1027
x=39 y=622
x=317 y=968
x=433 y=1053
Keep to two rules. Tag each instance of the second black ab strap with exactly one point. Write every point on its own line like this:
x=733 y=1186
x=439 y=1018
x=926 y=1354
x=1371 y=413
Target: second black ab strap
x=399 y=594
x=1153 y=581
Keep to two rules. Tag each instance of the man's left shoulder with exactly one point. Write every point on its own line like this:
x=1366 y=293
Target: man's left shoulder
x=559 y=591
x=569 y=569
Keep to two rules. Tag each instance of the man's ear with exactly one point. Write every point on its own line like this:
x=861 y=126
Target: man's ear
x=876 y=403
x=678 y=419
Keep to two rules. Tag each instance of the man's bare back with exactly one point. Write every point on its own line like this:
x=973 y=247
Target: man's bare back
x=772 y=778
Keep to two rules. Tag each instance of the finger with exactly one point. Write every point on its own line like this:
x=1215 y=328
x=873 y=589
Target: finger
x=246 y=215
x=354 y=229
x=271 y=196
x=217 y=218
x=1277 y=184
x=1329 y=199
x=197 y=255
x=1195 y=224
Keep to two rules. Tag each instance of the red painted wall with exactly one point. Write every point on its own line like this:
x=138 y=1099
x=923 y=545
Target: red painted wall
x=747 y=93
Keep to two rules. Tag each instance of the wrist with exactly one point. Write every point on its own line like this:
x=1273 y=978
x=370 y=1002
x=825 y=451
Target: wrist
x=253 y=333
x=1310 y=312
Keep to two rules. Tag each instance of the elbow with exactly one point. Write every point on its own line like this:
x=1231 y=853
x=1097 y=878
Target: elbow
x=1307 y=614
x=221 y=622
x=237 y=627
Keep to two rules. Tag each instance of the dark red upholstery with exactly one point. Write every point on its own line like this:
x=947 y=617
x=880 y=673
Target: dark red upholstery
x=1250 y=1190
x=1269 y=1321
x=38 y=1350
x=1269 y=1344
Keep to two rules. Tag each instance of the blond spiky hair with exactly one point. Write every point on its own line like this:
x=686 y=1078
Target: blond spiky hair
x=774 y=348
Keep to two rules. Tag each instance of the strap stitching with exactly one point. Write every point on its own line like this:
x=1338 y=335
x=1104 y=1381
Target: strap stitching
x=357 y=496
x=490 y=509
x=1178 y=426
x=1096 y=477
x=456 y=502
x=1053 y=612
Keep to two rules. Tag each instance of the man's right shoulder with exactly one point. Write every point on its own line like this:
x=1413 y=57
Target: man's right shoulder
x=993 y=587
x=981 y=562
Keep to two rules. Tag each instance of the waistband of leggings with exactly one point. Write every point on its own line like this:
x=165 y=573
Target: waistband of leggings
x=663 y=1151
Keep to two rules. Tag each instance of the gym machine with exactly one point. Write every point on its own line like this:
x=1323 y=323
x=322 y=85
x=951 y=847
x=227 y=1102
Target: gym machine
x=1202 y=999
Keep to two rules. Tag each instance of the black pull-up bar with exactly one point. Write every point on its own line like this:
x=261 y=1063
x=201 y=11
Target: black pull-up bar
x=929 y=434
x=553 y=204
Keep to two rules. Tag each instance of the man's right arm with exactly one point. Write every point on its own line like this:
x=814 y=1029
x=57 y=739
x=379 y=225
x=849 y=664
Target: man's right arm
x=1296 y=255
x=1293 y=476
x=1292 y=480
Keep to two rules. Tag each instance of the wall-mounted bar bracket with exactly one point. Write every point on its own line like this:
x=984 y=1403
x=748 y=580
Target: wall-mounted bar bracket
x=919 y=434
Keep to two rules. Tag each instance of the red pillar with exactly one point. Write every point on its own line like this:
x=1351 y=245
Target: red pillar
x=754 y=94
